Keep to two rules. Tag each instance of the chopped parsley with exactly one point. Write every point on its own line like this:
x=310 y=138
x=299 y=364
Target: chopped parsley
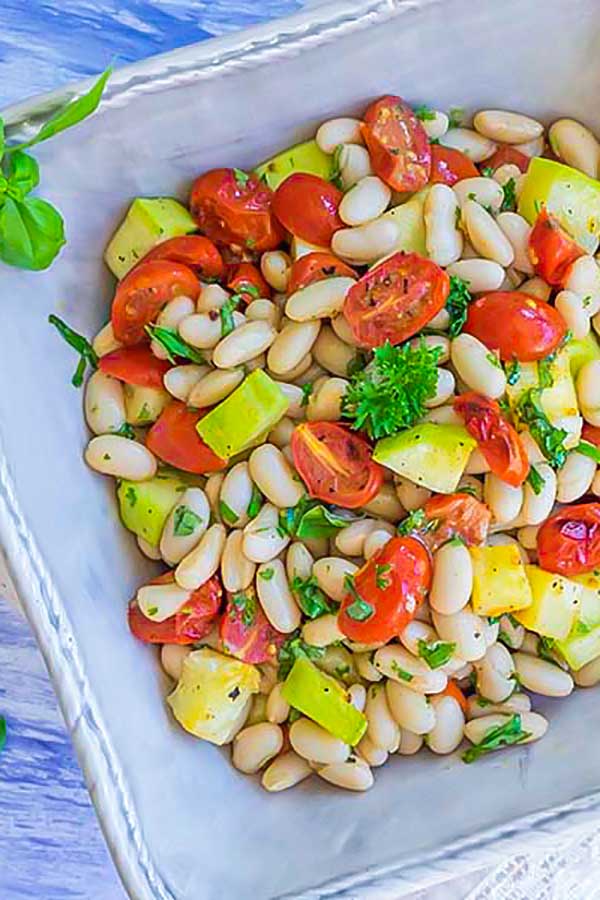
x=152 y=610
x=307 y=390
x=588 y=449
x=509 y=201
x=228 y=514
x=544 y=369
x=131 y=495
x=311 y=599
x=417 y=521
x=256 y=502
x=173 y=345
x=401 y=673
x=424 y=113
x=336 y=172
x=499 y=736
x=545 y=649
x=241 y=177
x=78 y=342
x=267 y=574
x=487 y=172
x=185 y=521
x=436 y=653
x=456 y=116
x=311 y=519
x=390 y=393
x=549 y=439
x=293 y=649
x=2 y=733
x=381 y=576
x=535 y=480
x=493 y=360
x=245 y=605
x=513 y=372
x=126 y=431
x=457 y=304
x=226 y=314
x=359 y=610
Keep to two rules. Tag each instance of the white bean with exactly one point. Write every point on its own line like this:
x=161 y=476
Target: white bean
x=212 y=296
x=276 y=598
x=448 y=730
x=291 y=346
x=312 y=742
x=357 y=694
x=517 y=230
x=486 y=191
x=147 y=548
x=473 y=362
x=143 y=405
x=322 y=632
x=504 y=500
x=535 y=147
x=542 y=677
x=374 y=541
x=486 y=235
x=382 y=730
x=410 y=710
x=572 y=308
x=575 y=145
x=212 y=489
x=278 y=709
x=274 y=476
x=262 y=540
x=111 y=454
x=507 y=127
x=410 y=495
x=595 y=486
x=355 y=163
x=170 y=317
x=365 y=667
x=575 y=477
x=331 y=573
x=275 y=267
x=527 y=536
x=495 y=674
x=236 y=494
x=325 y=405
x=537 y=507
x=436 y=125
x=469 y=142
x=531 y=723
x=331 y=353
x=464 y=629
x=104 y=403
x=588 y=391
x=583 y=277
x=203 y=330
x=445 y=386
x=299 y=561
x=506 y=172
x=254 y=746
x=410 y=743
x=161 y=601
x=214 y=387
x=342 y=328
x=366 y=243
x=285 y=771
x=243 y=343
x=343 y=130
x=105 y=341
x=237 y=572
x=477 y=464
x=172 y=658
x=351 y=540
x=443 y=239
x=385 y=504
x=452 y=581
x=442 y=415
x=478 y=707
x=536 y=287
x=399 y=665
x=180 y=380
x=185 y=525
x=319 y=300
x=588 y=675
x=364 y=202
x=263 y=310
x=371 y=753
x=414 y=632
x=354 y=775
x=202 y=562
x=481 y=275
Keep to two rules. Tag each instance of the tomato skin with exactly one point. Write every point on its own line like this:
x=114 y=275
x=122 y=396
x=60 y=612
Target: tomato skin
x=517 y=325
x=591 y=434
x=551 y=250
x=313 y=267
x=395 y=299
x=135 y=365
x=507 y=154
x=453 y=690
x=569 y=541
x=193 y=250
x=496 y=438
x=449 y=166
x=458 y=515
x=174 y=439
x=246 y=632
x=143 y=293
x=235 y=211
x=335 y=464
x=397 y=143
x=395 y=603
x=307 y=206
x=245 y=274
x=189 y=624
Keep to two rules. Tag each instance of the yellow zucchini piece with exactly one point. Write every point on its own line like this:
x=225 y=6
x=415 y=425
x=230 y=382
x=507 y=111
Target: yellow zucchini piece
x=433 y=456
x=410 y=220
x=556 y=602
x=500 y=584
x=582 y=351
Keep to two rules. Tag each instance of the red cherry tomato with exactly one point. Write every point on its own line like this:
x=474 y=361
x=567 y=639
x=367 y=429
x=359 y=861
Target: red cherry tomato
x=387 y=591
x=454 y=515
x=143 y=293
x=398 y=145
x=551 y=250
x=453 y=690
x=518 y=325
x=232 y=207
x=308 y=207
x=192 y=250
x=507 y=154
x=497 y=439
x=591 y=434
x=395 y=299
x=135 y=365
x=569 y=541
x=189 y=624
x=335 y=464
x=245 y=630
x=246 y=279
x=314 y=267
x=174 y=439
x=449 y=166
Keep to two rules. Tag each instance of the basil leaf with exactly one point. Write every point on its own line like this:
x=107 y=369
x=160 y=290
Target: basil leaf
x=436 y=653
x=173 y=344
x=23 y=175
x=75 y=111
x=2 y=733
x=323 y=521
x=80 y=344
x=31 y=233
x=311 y=599
x=500 y=736
x=227 y=513
x=588 y=449
x=185 y=521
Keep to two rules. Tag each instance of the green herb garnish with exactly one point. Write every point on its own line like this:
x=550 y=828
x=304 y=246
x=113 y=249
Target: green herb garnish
x=293 y=649
x=500 y=736
x=336 y=172
x=228 y=514
x=246 y=605
x=242 y=178
x=487 y=172
x=545 y=648
x=457 y=304
x=549 y=439
x=226 y=314
x=312 y=519
x=509 y=201
x=357 y=364
x=311 y=599
x=588 y=449
x=513 y=372
x=436 y=653
x=185 y=521
x=359 y=609
x=79 y=343
x=424 y=113
x=382 y=580
x=535 y=480
x=267 y=574
x=400 y=672
x=307 y=390
x=126 y=431
x=256 y=502
x=493 y=360
x=2 y=733
x=173 y=345
x=456 y=116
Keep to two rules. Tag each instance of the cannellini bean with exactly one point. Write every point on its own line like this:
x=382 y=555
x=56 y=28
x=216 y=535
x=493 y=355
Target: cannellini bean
x=291 y=346
x=506 y=172
x=254 y=746
x=437 y=341
x=351 y=540
x=517 y=230
x=477 y=367
x=445 y=386
x=382 y=730
x=366 y=668
x=202 y=562
x=185 y=525
x=584 y=278
x=481 y=275
x=331 y=573
x=161 y=601
x=258 y=710
x=114 y=455
x=331 y=353
x=172 y=658
x=243 y=343
x=275 y=267
x=371 y=753
x=588 y=675
x=262 y=541
x=536 y=287
x=343 y=130
x=471 y=485
x=104 y=403
x=299 y=561
x=449 y=727
x=295 y=397
x=573 y=309
x=491 y=630
x=477 y=464
x=214 y=387
x=588 y=391
x=374 y=541
x=278 y=709
x=443 y=415
x=285 y=771
x=575 y=145
x=385 y=505
x=486 y=191
x=531 y=723
x=318 y=546
x=486 y=235
x=237 y=572
x=203 y=330
x=399 y=665
x=170 y=317
x=357 y=694
x=464 y=629
x=531 y=148
x=410 y=495
x=147 y=548
x=263 y=310
x=212 y=296
x=319 y=300
x=276 y=598
x=507 y=127
x=236 y=494
x=212 y=489
x=410 y=743
x=274 y=476
x=575 y=477
x=478 y=707
x=180 y=380
x=595 y=486
x=366 y=243
x=452 y=581
x=437 y=125
x=527 y=536
x=364 y=202
x=414 y=632
x=534 y=454
x=312 y=742
x=105 y=341
x=495 y=674
x=441 y=321
x=342 y=328
x=474 y=145
x=143 y=405
x=410 y=710
x=354 y=775
x=537 y=507
x=503 y=499
x=443 y=239
x=310 y=374
x=542 y=677
x=354 y=163
x=325 y=405
x=322 y=632
x=530 y=643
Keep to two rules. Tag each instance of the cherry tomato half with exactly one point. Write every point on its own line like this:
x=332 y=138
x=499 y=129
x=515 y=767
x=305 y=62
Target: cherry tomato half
x=245 y=630
x=143 y=293
x=449 y=166
x=507 y=154
x=335 y=464
x=314 y=267
x=398 y=145
x=454 y=515
x=518 y=325
x=232 y=207
x=591 y=434
x=569 y=541
x=386 y=591
x=174 y=439
x=551 y=250
x=308 y=207
x=135 y=365
x=247 y=280
x=395 y=299
x=189 y=624
x=192 y=250
x=497 y=439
